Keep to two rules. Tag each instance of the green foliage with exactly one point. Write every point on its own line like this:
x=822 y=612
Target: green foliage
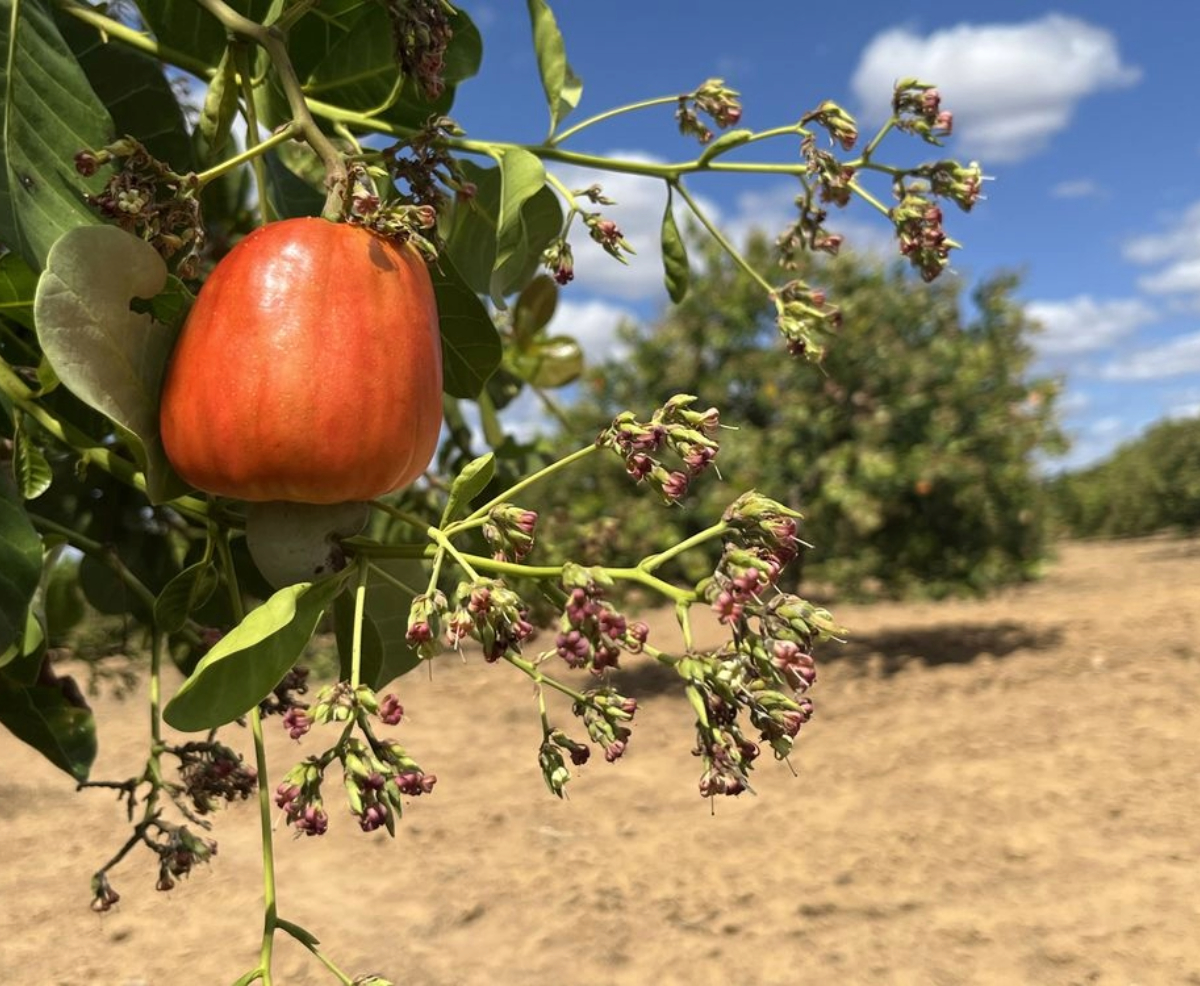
x=909 y=450
x=248 y=662
x=1147 y=485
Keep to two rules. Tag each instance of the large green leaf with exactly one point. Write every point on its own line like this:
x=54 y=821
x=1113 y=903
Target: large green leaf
x=111 y=358
x=50 y=113
x=386 y=652
x=471 y=348
x=246 y=664
x=344 y=55
x=540 y=222
x=186 y=26
x=43 y=716
x=522 y=176
x=134 y=89
x=290 y=195
x=18 y=282
x=20 y=564
x=561 y=85
x=471 y=236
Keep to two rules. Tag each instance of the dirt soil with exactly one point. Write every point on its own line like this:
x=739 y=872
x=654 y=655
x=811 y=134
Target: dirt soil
x=1002 y=791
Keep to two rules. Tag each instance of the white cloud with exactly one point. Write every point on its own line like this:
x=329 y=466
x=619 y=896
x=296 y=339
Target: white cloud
x=1083 y=324
x=1011 y=87
x=1171 y=359
x=1180 y=240
x=1175 y=251
x=1079 y=188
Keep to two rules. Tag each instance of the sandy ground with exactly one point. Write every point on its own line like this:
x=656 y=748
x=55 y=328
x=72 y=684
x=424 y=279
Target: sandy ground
x=1005 y=791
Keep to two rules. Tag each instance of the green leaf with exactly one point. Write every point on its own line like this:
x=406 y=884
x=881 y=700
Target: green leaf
x=475 y=475
x=50 y=113
x=534 y=309
x=541 y=222
x=30 y=467
x=248 y=662
x=522 y=176
x=553 y=362
x=62 y=598
x=18 y=282
x=386 y=653
x=471 y=238
x=111 y=358
x=220 y=105
x=186 y=26
x=562 y=86
x=471 y=348
x=290 y=195
x=347 y=57
x=676 y=270
x=726 y=142
x=43 y=717
x=135 y=90
x=302 y=935
x=20 y=564
x=22 y=662
x=185 y=593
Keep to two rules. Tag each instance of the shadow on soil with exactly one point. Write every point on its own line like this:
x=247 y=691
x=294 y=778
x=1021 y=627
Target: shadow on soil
x=889 y=651
x=958 y=643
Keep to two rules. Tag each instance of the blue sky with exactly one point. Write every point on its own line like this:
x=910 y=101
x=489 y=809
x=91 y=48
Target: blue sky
x=1082 y=113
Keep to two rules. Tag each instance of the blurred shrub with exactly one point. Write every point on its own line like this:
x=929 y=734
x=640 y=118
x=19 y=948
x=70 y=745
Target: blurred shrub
x=910 y=449
x=1147 y=485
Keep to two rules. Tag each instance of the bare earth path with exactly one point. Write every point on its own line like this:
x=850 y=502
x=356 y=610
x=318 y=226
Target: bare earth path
x=997 y=792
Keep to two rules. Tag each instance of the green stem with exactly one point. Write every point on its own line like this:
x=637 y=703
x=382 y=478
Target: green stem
x=306 y=939
x=591 y=121
x=870 y=199
x=528 y=481
x=270 y=910
x=651 y=562
x=101 y=553
x=877 y=139
x=717 y=235
x=271 y=40
x=252 y=142
x=536 y=674
x=252 y=153
x=116 y=31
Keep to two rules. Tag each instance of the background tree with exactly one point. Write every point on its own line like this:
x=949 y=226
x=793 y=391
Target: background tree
x=1149 y=484
x=911 y=449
